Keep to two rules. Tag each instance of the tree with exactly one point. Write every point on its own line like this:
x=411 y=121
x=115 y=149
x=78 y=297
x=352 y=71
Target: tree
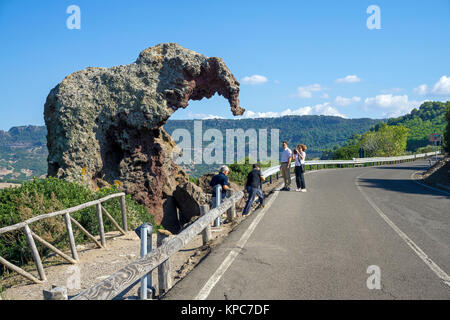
x=382 y=141
x=447 y=129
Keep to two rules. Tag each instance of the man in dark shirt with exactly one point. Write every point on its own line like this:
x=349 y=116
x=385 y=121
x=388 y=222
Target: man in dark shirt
x=254 y=188
x=222 y=180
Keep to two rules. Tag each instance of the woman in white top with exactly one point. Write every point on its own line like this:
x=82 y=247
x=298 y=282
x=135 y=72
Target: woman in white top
x=299 y=156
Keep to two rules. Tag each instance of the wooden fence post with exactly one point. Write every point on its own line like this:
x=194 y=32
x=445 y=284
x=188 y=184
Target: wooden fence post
x=19 y=270
x=73 y=247
x=90 y=236
x=101 y=228
x=206 y=233
x=123 y=207
x=35 y=252
x=55 y=293
x=164 y=277
x=54 y=249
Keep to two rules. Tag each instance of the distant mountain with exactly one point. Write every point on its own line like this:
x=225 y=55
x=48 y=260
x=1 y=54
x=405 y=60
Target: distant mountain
x=317 y=132
x=23 y=150
x=23 y=153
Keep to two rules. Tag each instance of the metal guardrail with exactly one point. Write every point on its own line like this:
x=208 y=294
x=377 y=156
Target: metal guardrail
x=127 y=276
x=355 y=162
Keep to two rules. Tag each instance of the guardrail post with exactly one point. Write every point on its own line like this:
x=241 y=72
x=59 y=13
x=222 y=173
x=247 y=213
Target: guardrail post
x=218 y=191
x=164 y=278
x=123 y=207
x=145 y=232
x=206 y=233
x=35 y=252
x=101 y=228
x=232 y=212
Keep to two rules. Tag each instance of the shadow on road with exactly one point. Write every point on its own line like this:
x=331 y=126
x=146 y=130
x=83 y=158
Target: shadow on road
x=401 y=186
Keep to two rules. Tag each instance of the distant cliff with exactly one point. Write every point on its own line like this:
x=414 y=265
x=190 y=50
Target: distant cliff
x=23 y=153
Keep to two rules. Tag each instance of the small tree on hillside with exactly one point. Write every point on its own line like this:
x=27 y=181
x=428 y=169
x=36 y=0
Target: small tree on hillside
x=447 y=129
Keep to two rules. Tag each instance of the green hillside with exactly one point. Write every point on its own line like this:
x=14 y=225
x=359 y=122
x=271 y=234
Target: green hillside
x=317 y=132
x=23 y=153
x=429 y=118
x=417 y=125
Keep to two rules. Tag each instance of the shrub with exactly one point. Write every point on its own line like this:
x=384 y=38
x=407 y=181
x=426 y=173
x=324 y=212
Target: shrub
x=40 y=196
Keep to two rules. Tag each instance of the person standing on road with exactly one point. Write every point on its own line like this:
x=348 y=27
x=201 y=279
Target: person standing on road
x=299 y=158
x=220 y=179
x=254 y=188
x=286 y=157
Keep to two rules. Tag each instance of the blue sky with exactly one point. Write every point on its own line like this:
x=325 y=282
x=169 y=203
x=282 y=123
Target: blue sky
x=291 y=57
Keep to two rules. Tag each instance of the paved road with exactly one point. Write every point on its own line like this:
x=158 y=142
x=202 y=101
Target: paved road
x=319 y=244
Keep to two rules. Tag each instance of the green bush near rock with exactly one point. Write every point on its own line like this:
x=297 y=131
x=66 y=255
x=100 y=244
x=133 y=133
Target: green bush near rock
x=40 y=196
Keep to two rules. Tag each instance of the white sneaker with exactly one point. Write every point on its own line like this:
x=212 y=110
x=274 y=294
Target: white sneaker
x=298 y=189
x=303 y=190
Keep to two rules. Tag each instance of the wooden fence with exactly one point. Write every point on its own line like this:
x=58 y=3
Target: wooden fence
x=31 y=236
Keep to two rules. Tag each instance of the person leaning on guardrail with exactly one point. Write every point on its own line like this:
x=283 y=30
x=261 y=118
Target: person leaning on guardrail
x=299 y=157
x=253 y=187
x=222 y=179
x=286 y=157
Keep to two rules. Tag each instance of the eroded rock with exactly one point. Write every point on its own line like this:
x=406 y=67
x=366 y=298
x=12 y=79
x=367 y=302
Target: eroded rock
x=105 y=124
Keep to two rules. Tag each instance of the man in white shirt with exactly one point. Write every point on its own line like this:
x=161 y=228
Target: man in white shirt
x=286 y=158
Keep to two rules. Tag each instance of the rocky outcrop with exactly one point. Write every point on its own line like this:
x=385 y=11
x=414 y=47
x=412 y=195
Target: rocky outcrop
x=105 y=124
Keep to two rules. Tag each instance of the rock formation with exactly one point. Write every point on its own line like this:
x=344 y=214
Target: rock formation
x=105 y=124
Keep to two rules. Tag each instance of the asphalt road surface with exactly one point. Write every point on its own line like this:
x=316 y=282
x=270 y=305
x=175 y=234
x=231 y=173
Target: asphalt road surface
x=358 y=233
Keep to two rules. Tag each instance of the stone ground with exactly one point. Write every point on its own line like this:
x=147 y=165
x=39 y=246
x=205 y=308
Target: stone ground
x=97 y=264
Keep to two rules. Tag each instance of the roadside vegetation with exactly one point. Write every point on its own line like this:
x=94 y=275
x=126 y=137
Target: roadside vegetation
x=447 y=129
x=238 y=172
x=40 y=196
x=397 y=136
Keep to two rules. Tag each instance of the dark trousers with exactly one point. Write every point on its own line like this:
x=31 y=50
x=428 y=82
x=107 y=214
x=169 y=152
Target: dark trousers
x=252 y=193
x=300 y=177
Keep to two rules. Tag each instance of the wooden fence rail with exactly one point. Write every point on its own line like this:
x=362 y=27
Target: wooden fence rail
x=31 y=236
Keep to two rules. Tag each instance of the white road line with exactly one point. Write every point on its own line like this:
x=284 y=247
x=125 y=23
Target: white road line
x=422 y=255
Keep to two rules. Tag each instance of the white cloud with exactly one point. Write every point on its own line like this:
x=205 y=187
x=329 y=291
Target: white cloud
x=349 y=79
x=442 y=87
x=392 y=90
x=306 y=92
x=341 y=101
x=254 y=79
x=391 y=105
x=325 y=96
x=422 y=89
x=202 y=116
x=318 y=109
